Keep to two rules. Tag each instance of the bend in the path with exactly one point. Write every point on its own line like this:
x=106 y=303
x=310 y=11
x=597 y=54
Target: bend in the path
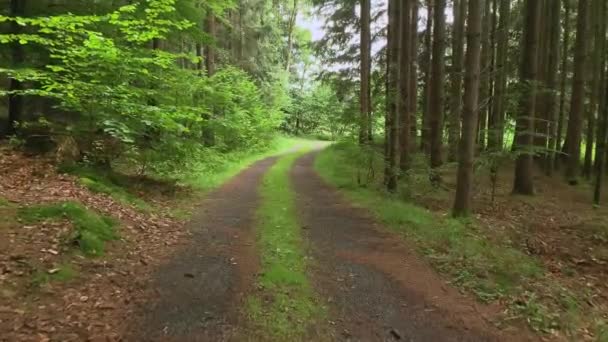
x=376 y=288
x=201 y=289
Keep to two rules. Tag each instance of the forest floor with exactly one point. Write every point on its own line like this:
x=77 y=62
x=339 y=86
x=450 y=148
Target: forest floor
x=273 y=254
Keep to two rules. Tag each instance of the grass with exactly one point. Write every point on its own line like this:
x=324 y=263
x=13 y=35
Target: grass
x=286 y=306
x=8 y=213
x=104 y=182
x=91 y=229
x=491 y=270
x=63 y=273
x=218 y=167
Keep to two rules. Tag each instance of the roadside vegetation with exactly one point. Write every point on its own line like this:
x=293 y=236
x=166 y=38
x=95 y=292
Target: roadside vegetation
x=475 y=254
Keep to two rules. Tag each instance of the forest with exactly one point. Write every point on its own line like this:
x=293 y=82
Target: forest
x=303 y=170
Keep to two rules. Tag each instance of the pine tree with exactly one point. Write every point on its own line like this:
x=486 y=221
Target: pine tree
x=462 y=200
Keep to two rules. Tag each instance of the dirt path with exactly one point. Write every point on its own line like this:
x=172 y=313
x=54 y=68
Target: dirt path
x=201 y=289
x=376 y=288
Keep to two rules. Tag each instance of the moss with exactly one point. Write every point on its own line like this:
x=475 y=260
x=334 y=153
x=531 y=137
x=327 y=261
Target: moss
x=91 y=229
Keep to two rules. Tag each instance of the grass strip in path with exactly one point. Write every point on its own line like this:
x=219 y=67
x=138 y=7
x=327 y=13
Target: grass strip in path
x=285 y=306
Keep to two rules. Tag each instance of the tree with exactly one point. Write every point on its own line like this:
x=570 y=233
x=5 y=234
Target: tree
x=365 y=87
x=405 y=67
x=552 y=82
x=524 y=130
x=577 y=101
x=598 y=40
x=437 y=87
x=291 y=24
x=392 y=116
x=426 y=64
x=15 y=99
x=486 y=79
x=460 y=7
x=462 y=200
x=562 y=87
x=414 y=76
x=496 y=137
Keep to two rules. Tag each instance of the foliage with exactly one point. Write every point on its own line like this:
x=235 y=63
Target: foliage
x=91 y=229
x=123 y=100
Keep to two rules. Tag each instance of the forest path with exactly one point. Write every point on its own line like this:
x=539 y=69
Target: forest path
x=376 y=288
x=201 y=290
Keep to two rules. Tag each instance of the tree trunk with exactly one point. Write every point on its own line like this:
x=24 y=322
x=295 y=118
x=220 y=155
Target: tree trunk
x=540 y=121
x=577 y=102
x=210 y=27
x=15 y=101
x=496 y=141
x=552 y=82
x=525 y=120
x=365 y=94
x=562 y=88
x=405 y=46
x=427 y=61
x=414 y=76
x=601 y=153
x=485 y=94
x=392 y=133
x=210 y=49
x=602 y=131
x=598 y=39
x=601 y=134
x=292 y=24
x=437 y=86
x=462 y=200
x=460 y=7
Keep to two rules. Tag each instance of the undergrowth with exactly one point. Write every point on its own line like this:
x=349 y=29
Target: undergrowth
x=63 y=273
x=106 y=182
x=286 y=306
x=218 y=166
x=491 y=270
x=91 y=230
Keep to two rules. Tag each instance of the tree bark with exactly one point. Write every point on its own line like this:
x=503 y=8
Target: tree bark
x=460 y=7
x=414 y=76
x=405 y=46
x=427 y=61
x=552 y=83
x=485 y=93
x=15 y=100
x=437 y=86
x=292 y=24
x=496 y=140
x=365 y=90
x=210 y=49
x=598 y=40
x=602 y=132
x=392 y=120
x=577 y=102
x=524 y=130
x=562 y=92
x=464 y=184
